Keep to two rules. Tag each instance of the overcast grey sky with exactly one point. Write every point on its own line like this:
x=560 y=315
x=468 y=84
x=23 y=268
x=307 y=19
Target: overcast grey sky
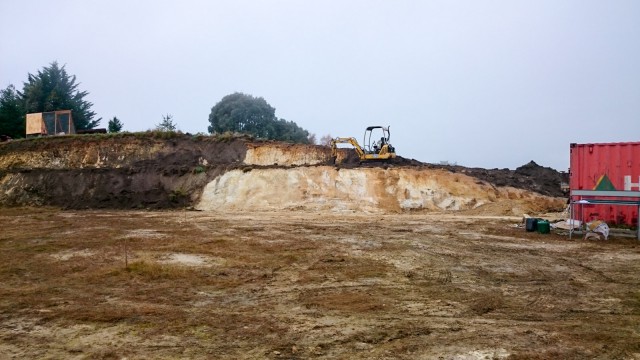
x=481 y=83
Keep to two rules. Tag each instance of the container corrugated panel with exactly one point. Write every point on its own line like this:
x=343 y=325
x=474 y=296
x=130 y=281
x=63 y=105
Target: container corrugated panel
x=606 y=166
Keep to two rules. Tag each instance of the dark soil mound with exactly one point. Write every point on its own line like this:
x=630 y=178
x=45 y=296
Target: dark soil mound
x=350 y=159
x=546 y=179
x=173 y=176
x=531 y=176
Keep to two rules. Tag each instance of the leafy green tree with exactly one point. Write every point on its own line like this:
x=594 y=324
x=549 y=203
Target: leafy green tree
x=12 y=120
x=244 y=113
x=167 y=123
x=115 y=125
x=51 y=89
x=290 y=131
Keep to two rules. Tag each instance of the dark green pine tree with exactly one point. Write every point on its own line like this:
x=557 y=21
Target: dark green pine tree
x=115 y=125
x=167 y=124
x=12 y=120
x=51 y=89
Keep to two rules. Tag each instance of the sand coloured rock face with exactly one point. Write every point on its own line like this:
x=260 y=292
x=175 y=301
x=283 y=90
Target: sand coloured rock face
x=286 y=154
x=361 y=189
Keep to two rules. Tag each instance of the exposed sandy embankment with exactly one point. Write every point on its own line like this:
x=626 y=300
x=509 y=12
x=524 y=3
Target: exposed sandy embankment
x=361 y=189
x=237 y=173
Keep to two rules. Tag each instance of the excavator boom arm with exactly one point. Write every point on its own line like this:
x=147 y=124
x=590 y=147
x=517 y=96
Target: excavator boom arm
x=346 y=140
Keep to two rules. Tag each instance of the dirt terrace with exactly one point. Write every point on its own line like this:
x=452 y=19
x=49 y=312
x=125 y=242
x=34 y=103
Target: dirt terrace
x=158 y=170
x=292 y=285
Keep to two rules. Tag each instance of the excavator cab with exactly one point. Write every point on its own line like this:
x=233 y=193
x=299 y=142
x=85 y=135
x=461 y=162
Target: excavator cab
x=375 y=139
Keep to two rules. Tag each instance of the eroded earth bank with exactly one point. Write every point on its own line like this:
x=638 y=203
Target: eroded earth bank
x=147 y=171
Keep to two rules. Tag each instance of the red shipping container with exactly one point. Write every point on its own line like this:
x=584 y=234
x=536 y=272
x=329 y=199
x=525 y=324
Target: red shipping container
x=609 y=167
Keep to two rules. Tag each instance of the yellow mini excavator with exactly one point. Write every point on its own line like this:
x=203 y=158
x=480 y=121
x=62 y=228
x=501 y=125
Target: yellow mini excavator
x=372 y=149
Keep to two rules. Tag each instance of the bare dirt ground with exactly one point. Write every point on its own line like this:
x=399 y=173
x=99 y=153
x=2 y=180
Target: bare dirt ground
x=295 y=285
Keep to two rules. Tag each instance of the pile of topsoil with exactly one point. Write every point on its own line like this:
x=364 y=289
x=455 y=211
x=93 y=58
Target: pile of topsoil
x=531 y=176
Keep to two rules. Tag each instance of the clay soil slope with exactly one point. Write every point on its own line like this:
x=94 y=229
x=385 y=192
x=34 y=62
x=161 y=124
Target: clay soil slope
x=169 y=170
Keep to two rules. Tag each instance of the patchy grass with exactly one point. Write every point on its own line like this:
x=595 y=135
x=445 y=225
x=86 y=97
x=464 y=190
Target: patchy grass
x=156 y=271
x=487 y=302
x=344 y=300
x=291 y=285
